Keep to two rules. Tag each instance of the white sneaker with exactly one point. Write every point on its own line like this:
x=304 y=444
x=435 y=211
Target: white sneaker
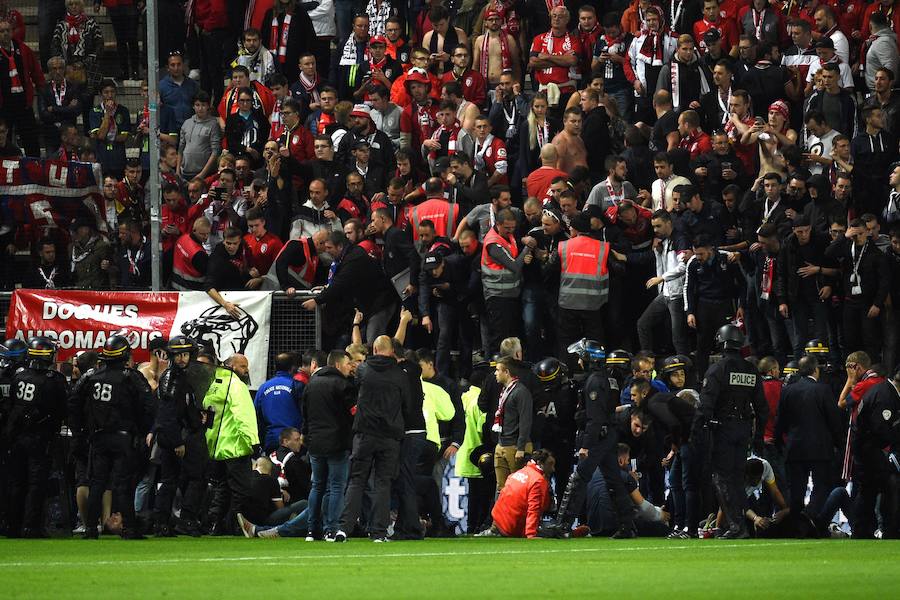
x=310 y=538
x=268 y=533
x=248 y=528
x=380 y=540
x=340 y=536
x=194 y=74
x=78 y=530
x=329 y=537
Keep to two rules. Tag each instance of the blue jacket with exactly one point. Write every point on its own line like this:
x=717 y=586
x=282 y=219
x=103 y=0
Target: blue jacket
x=278 y=404
x=625 y=398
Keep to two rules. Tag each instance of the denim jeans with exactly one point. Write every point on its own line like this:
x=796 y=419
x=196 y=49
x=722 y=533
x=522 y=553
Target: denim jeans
x=296 y=527
x=343 y=19
x=329 y=473
x=684 y=478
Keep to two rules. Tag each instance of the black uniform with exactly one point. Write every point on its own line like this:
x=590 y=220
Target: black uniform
x=37 y=410
x=179 y=423
x=113 y=406
x=731 y=398
x=675 y=416
x=6 y=404
x=600 y=438
x=554 y=427
x=877 y=427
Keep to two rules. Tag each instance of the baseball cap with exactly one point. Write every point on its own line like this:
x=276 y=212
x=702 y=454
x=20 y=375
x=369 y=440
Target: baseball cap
x=377 y=39
x=825 y=42
x=361 y=110
x=711 y=36
x=441 y=164
x=432 y=261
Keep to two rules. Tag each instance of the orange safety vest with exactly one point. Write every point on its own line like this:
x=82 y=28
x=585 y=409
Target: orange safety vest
x=584 y=273
x=438 y=211
x=185 y=275
x=497 y=280
x=305 y=274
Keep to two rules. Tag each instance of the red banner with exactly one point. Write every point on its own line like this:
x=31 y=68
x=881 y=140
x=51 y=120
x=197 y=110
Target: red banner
x=82 y=320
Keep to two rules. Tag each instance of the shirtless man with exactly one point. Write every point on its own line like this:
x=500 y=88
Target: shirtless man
x=153 y=369
x=447 y=38
x=492 y=41
x=568 y=142
x=467 y=112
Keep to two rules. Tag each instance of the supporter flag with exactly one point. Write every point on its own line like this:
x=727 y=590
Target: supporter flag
x=40 y=196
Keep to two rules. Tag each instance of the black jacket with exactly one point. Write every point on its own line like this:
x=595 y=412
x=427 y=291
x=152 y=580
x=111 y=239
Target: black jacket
x=238 y=136
x=358 y=282
x=399 y=253
x=672 y=414
x=874 y=272
x=177 y=411
x=383 y=394
x=413 y=417
x=452 y=287
x=809 y=417
x=327 y=420
x=787 y=281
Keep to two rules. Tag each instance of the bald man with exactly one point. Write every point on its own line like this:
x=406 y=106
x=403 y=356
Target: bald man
x=538 y=182
x=240 y=365
x=383 y=394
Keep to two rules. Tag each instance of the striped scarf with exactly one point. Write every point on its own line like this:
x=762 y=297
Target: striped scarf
x=279 y=37
x=451 y=143
x=505 y=59
x=15 y=78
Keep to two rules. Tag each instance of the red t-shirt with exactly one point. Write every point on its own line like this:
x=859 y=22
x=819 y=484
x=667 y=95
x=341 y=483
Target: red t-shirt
x=538 y=182
x=561 y=46
x=263 y=250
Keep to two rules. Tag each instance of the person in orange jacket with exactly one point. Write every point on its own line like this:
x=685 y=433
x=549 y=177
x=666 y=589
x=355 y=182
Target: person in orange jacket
x=524 y=498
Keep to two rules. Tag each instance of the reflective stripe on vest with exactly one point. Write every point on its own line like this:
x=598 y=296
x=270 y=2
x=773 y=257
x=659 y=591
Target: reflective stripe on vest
x=304 y=275
x=185 y=275
x=438 y=211
x=496 y=279
x=584 y=276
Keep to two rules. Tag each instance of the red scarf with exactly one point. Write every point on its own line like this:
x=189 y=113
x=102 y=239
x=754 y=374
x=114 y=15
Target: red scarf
x=279 y=37
x=325 y=120
x=758 y=21
x=505 y=59
x=768 y=277
x=653 y=46
x=501 y=406
x=73 y=25
x=451 y=143
x=15 y=80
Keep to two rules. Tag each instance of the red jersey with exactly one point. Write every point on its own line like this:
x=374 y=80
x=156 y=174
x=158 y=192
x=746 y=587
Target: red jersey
x=772 y=391
x=588 y=40
x=697 y=143
x=726 y=27
x=473 y=86
x=263 y=251
x=420 y=121
x=565 y=44
x=300 y=143
x=490 y=157
x=522 y=501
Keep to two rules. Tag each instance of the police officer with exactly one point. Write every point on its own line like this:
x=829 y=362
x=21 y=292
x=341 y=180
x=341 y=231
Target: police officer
x=618 y=367
x=598 y=449
x=12 y=358
x=554 y=423
x=830 y=375
x=113 y=406
x=875 y=472
x=731 y=398
x=38 y=408
x=179 y=432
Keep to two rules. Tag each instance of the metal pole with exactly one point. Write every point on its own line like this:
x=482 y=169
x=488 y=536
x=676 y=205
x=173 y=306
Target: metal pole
x=153 y=182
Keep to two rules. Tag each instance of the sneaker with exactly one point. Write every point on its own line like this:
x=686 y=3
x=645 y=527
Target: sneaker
x=380 y=540
x=78 y=530
x=310 y=538
x=624 y=533
x=835 y=531
x=329 y=537
x=188 y=527
x=678 y=534
x=581 y=531
x=340 y=536
x=248 y=528
x=489 y=532
x=268 y=533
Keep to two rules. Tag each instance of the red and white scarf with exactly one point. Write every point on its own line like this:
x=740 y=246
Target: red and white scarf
x=280 y=34
x=614 y=198
x=652 y=47
x=310 y=86
x=674 y=72
x=15 y=79
x=59 y=91
x=505 y=58
x=73 y=28
x=548 y=43
x=501 y=405
x=768 y=277
x=451 y=142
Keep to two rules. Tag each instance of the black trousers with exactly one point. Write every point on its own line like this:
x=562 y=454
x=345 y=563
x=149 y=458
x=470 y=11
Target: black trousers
x=800 y=471
x=710 y=316
x=112 y=466
x=878 y=479
x=503 y=316
x=213 y=45
x=29 y=465
x=232 y=481
x=22 y=123
x=408 y=525
x=377 y=456
x=604 y=456
x=730 y=441
x=861 y=332
x=185 y=473
x=572 y=325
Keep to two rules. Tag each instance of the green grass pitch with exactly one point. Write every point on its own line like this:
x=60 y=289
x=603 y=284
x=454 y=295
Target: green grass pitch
x=460 y=569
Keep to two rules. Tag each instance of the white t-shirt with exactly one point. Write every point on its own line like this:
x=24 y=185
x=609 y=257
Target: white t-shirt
x=768 y=477
x=846 y=73
x=820 y=147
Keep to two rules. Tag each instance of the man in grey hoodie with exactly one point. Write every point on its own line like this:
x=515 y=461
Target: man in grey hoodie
x=880 y=49
x=200 y=141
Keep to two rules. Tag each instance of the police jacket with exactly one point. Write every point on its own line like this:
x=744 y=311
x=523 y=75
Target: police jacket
x=452 y=287
x=732 y=390
x=672 y=414
x=111 y=399
x=809 y=416
x=599 y=407
x=177 y=410
x=716 y=280
x=383 y=394
x=38 y=402
x=877 y=427
x=327 y=421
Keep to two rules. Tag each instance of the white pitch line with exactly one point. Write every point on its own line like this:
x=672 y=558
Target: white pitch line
x=712 y=545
